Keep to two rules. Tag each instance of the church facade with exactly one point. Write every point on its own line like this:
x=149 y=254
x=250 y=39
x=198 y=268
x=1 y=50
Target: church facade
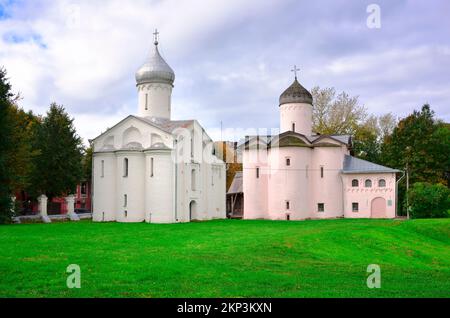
x=299 y=175
x=151 y=168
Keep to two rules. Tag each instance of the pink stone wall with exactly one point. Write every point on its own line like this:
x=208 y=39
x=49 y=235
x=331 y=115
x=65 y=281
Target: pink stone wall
x=255 y=189
x=289 y=183
x=374 y=202
x=327 y=190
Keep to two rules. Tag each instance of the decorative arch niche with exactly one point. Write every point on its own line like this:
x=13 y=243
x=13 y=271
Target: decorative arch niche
x=131 y=136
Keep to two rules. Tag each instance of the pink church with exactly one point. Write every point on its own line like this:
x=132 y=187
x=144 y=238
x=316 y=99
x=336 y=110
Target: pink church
x=299 y=175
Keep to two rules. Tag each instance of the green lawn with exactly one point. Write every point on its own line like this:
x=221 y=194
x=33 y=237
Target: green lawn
x=227 y=258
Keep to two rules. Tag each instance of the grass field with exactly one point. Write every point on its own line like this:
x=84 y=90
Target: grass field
x=227 y=258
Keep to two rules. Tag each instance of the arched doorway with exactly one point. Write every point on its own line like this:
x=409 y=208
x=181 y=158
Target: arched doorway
x=378 y=208
x=193 y=210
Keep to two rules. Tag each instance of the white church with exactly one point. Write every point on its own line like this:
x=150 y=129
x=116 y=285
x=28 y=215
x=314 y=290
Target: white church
x=151 y=168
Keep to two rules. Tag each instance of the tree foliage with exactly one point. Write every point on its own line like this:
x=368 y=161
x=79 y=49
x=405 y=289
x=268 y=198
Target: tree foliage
x=87 y=164
x=423 y=144
x=58 y=164
x=342 y=114
x=6 y=146
x=336 y=114
x=25 y=125
x=429 y=200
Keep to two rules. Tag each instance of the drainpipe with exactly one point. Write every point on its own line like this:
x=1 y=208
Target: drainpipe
x=343 y=194
x=176 y=179
x=396 y=193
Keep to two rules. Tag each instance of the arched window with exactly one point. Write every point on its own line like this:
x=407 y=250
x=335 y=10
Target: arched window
x=355 y=183
x=193 y=180
x=288 y=161
x=368 y=183
x=381 y=183
x=125 y=167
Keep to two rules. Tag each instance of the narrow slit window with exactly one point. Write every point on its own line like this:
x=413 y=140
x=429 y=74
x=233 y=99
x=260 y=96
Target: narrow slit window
x=125 y=167
x=193 y=180
x=103 y=169
x=288 y=205
x=321 y=172
x=293 y=127
x=151 y=167
x=257 y=173
x=288 y=161
x=125 y=200
x=146 y=101
x=192 y=145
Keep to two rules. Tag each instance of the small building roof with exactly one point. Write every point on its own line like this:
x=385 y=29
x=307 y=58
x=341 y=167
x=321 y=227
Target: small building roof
x=236 y=185
x=356 y=165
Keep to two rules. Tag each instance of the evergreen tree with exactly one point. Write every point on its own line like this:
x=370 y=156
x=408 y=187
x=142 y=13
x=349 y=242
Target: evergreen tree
x=423 y=144
x=58 y=165
x=87 y=164
x=25 y=125
x=6 y=147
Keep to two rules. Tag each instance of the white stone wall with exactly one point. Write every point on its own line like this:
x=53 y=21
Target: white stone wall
x=132 y=186
x=154 y=199
x=104 y=187
x=159 y=187
x=154 y=100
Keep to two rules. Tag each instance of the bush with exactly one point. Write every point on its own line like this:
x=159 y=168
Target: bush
x=429 y=200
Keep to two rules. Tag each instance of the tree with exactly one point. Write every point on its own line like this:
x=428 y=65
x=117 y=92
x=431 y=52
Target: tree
x=6 y=148
x=342 y=114
x=422 y=143
x=333 y=114
x=58 y=165
x=429 y=200
x=25 y=125
x=370 y=135
x=87 y=164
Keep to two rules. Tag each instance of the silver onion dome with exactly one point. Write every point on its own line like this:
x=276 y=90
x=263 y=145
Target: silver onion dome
x=296 y=93
x=155 y=69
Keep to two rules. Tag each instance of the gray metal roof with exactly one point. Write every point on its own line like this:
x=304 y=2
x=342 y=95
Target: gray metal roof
x=356 y=165
x=296 y=93
x=236 y=185
x=167 y=124
x=155 y=69
x=345 y=139
x=342 y=138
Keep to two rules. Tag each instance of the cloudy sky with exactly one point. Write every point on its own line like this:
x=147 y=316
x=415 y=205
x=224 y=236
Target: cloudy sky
x=232 y=58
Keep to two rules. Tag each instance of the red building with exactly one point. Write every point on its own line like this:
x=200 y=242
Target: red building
x=58 y=205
